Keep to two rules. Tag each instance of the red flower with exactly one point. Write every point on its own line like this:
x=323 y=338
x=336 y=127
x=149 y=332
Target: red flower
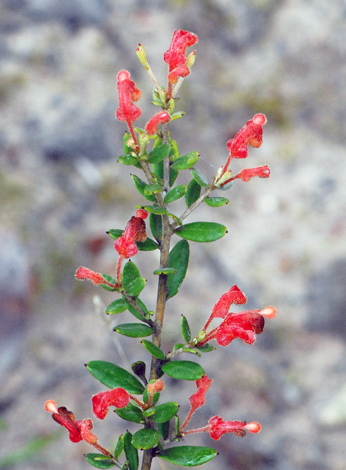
x=117 y=397
x=155 y=387
x=78 y=430
x=128 y=93
x=250 y=134
x=217 y=427
x=175 y=56
x=222 y=306
x=160 y=118
x=198 y=398
x=134 y=232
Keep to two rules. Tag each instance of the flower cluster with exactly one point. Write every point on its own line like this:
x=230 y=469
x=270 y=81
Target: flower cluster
x=243 y=325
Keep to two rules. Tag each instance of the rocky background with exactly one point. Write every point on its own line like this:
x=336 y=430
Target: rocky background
x=61 y=189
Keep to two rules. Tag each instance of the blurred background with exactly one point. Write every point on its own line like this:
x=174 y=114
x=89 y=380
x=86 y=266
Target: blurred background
x=61 y=189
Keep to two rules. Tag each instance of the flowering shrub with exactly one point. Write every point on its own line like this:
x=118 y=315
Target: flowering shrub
x=135 y=396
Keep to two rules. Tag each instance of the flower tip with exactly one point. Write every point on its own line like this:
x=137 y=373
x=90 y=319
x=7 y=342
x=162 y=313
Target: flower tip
x=123 y=75
x=259 y=119
x=50 y=406
x=253 y=427
x=269 y=312
x=142 y=214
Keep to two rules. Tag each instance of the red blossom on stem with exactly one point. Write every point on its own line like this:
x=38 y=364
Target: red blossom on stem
x=117 y=397
x=175 y=56
x=96 y=278
x=154 y=387
x=135 y=231
x=160 y=118
x=127 y=110
x=233 y=296
x=216 y=427
x=198 y=398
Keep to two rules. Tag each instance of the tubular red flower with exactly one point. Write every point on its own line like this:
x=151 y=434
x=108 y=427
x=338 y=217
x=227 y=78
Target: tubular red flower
x=160 y=118
x=155 y=387
x=233 y=296
x=198 y=398
x=250 y=134
x=86 y=273
x=117 y=397
x=135 y=231
x=128 y=93
x=217 y=427
x=175 y=56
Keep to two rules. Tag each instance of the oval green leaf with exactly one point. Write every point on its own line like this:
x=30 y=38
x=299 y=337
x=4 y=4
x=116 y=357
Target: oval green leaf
x=113 y=376
x=165 y=271
x=148 y=245
x=115 y=233
x=174 y=153
x=119 y=446
x=175 y=193
x=130 y=413
x=216 y=201
x=135 y=287
x=199 y=177
x=141 y=186
x=153 y=349
x=99 y=460
x=154 y=209
x=118 y=306
x=153 y=189
x=129 y=160
x=159 y=153
x=165 y=412
x=185 y=329
x=188 y=456
x=186 y=161
x=155 y=226
x=193 y=192
x=183 y=370
x=130 y=273
x=134 y=330
x=163 y=429
x=130 y=451
x=179 y=260
x=134 y=312
x=201 y=231
x=109 y=279
x=126 y=137
x=145 y=439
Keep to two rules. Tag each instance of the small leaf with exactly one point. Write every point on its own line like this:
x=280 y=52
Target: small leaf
x=130 y=273
x=199 y=177
x=178 y=259
x=154 y=209
x=165 y=271
x=129 y=160
x=175 y=193
x=183 y=370
x=201 y=231
x=153 y=349
x=159 y=153
x=115 y=233
x=134 y=330
x=185 y=329
x=206 y=348
x=134 y=312
x=119 y=447
x=135 y=287
x=113 y=376
x=186 y=161
x=163 y=429
x=130 y=413
x=174 y=153
x=193 y=192
x=165 y=412
x=145 y=438
x=118 y=306
x=109 y=279
x=130 y=451
x=153 y=189
x=188 y=456
x=99 y=460
x=126 y=137
x=216 y=201
x=141 y=186
x=148 y=245
x=155 y=226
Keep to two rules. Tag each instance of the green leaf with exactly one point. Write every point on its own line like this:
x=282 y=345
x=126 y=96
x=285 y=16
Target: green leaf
x=199 y=177
x=135 y=287
x=163 y=429
x=126 y=137
x=183 y=370
x=165 y=412
x=148 y=245
x=154 y=209
x=216 y=201
x=206 y=348
x=165 y=271
x=174 y=153
x=153 y=349
x=186 y=161
x=159 y=153
x=113 y=376
x=134 y=330
x=130 y=273
x=185 y=329
x=153 y=189
x=115 y=233
x=134 y=312
x=130 y=413
x=188 y=456
x=178 y=259
x=141 y=186
x=119 y=447
x=201 y=231
x=155 y=226
x=129 y=160
x=99 y=460
x=130 y=451
x=109 y=279
x=175 y=193
x=193 y=192
x=145 y=438
x=118 y=306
